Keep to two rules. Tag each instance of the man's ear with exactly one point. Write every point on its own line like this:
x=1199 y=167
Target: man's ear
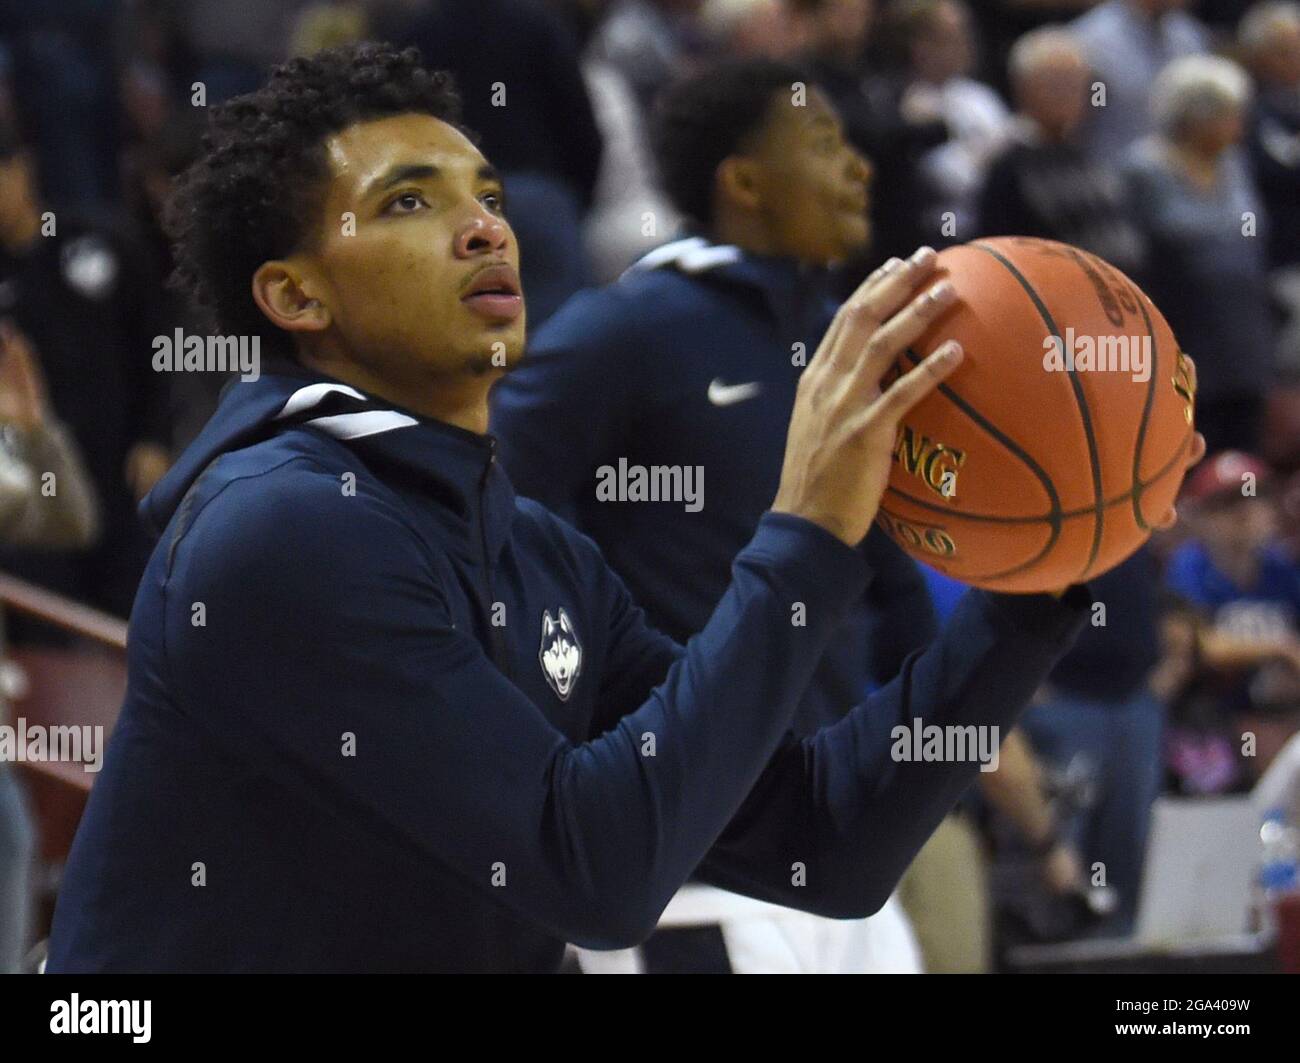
x=737 y=181
x=284 y=296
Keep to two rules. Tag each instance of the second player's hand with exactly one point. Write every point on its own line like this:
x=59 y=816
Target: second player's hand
x=842 y=430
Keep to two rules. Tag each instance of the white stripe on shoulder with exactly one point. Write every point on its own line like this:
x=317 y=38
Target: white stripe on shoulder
x=356 y=425
x=306 y=398
x=694 y=254
x=667 y=253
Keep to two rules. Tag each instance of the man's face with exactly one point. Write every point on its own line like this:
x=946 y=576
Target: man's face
x=812 y=185
x=1055 y=93
x=429 y=232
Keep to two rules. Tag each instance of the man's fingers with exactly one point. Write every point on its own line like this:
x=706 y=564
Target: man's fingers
x=912 y=387
x=876 y=299
x=905 y=327
x=886 y=293
x=1198 y=450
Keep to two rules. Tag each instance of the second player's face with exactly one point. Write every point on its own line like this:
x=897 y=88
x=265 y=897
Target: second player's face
x=813 y=184
x=412 y=218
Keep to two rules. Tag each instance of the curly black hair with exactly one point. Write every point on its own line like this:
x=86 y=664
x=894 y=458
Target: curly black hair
x=707 y=116
x=254 y=193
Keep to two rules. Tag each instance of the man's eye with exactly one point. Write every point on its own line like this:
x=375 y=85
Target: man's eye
x=495 y=202
x=405 y=203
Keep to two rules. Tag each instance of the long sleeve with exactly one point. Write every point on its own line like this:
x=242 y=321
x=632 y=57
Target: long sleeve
x=595 y=837
x=839 y=804
x=901 y=613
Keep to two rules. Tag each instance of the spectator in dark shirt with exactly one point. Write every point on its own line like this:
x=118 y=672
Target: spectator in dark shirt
x=1270 y=42
x=1044 y=184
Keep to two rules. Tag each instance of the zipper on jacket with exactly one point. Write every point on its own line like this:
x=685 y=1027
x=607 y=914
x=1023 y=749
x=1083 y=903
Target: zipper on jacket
x=500 y=645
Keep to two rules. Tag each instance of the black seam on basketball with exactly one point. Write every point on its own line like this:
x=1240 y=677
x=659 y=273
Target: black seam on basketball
x=1053 y=517
x=1094 y=458
x=1138 y=487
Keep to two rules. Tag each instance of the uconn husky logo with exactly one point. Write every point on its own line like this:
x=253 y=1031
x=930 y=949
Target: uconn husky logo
x=560 y=653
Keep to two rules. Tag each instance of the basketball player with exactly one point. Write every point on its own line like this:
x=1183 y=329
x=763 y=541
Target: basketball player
x=384 y=715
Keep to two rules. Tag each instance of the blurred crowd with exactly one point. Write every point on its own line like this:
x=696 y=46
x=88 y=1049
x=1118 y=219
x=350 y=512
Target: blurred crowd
x=1162 y=135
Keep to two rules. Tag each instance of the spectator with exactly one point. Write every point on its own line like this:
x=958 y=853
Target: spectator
x=629 y=213
x=45 y=500
x=1043 y=184
x=1247 y=589
x=1191 y=191
x=936 y=42
x=1270 y=42
x=1128 y=43
x=649 y=41
x=1098 y=706
x=81 y=292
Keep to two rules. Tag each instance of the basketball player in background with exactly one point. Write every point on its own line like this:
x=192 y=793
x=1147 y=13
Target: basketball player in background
x=692 y=361
x=344 y=745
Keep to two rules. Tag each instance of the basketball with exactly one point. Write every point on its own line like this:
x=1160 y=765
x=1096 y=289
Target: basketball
x=1050 y=454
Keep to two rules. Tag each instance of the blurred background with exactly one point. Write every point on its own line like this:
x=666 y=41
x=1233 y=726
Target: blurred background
x=1164 y=752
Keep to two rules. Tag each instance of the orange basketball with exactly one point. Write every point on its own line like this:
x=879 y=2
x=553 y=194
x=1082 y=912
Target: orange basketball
x=1048 y=456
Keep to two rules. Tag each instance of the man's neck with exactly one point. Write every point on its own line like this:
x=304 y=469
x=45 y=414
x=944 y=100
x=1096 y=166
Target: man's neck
x=744 y=232
x=461 y=400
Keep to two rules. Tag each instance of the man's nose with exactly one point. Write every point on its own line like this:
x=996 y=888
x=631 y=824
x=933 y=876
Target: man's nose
x=481 y=234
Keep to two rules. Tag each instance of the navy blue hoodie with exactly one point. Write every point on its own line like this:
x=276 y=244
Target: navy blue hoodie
x=383 y=715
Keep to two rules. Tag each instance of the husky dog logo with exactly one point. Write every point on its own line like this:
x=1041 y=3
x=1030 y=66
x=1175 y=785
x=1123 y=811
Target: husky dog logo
x=560 y=653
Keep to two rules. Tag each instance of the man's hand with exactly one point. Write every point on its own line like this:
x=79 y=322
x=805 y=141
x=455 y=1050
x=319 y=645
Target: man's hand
x=842 y=431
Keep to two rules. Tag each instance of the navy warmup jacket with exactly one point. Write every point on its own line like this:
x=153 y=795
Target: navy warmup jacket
x=383 y=715
x=692 y=360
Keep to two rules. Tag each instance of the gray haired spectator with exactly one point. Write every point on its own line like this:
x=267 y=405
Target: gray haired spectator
x=1192 y=191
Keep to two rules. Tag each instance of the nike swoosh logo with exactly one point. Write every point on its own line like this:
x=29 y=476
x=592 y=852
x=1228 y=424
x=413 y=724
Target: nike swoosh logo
x=721 y=394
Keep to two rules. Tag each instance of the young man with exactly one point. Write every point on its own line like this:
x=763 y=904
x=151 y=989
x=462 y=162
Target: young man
x=382 y=714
